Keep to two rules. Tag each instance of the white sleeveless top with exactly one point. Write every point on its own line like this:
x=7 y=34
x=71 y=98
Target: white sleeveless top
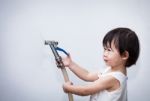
x=119 y=94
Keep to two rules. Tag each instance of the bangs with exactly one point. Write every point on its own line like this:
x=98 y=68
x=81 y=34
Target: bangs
x=109 y=39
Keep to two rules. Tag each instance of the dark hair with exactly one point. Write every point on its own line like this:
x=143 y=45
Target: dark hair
x=124 y=40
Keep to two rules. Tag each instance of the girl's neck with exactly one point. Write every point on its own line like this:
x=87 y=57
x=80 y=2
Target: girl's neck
x=119 y=68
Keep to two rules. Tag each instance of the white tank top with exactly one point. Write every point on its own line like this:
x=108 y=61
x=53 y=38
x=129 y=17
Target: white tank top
x=119 y=94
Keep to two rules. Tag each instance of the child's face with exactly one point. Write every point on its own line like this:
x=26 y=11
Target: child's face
x=112 y=56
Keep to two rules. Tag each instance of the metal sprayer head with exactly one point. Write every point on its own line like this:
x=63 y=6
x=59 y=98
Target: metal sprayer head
x=48 y=42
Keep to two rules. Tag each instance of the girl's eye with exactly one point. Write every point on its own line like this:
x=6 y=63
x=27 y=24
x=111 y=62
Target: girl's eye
x=105 y=49
x=109 y=49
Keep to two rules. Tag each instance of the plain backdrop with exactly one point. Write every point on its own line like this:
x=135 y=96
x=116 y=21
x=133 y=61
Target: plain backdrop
x=27 y=67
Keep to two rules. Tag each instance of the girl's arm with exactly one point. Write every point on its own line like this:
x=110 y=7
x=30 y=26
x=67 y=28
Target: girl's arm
x=82 y=73
x=79 y=71
x=104 y=83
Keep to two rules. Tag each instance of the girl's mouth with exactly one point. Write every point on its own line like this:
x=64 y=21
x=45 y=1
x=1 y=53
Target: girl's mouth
x=105 y=60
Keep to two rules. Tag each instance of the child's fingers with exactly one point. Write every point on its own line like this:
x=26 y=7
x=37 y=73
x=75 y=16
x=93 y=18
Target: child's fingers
x=65 y=86
x=69 y=82
x=69 y=55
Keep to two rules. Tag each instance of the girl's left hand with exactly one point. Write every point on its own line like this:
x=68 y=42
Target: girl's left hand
x=66 y=86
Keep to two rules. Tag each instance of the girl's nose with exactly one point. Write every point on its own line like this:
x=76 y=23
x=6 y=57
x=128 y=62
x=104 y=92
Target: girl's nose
x=105 y=56
x=105 y=53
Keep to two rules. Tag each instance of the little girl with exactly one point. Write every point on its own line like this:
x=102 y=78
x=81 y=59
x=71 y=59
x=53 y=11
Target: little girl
x=121 y=50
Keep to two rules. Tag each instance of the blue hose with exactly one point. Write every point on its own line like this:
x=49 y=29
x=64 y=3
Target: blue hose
x=60 y=49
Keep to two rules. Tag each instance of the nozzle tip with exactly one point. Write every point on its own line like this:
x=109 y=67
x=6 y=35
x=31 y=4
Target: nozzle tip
x=47 y=42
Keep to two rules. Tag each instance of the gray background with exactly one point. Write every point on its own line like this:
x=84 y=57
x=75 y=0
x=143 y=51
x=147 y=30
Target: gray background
x=27 y=67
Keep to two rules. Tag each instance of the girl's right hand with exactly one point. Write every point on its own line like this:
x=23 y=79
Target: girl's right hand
x=67 y=61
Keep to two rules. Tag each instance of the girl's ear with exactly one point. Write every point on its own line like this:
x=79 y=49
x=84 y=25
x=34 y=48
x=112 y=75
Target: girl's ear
x=125 y=55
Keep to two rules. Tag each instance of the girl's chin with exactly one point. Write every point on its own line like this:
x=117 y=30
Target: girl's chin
x=107 y=64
